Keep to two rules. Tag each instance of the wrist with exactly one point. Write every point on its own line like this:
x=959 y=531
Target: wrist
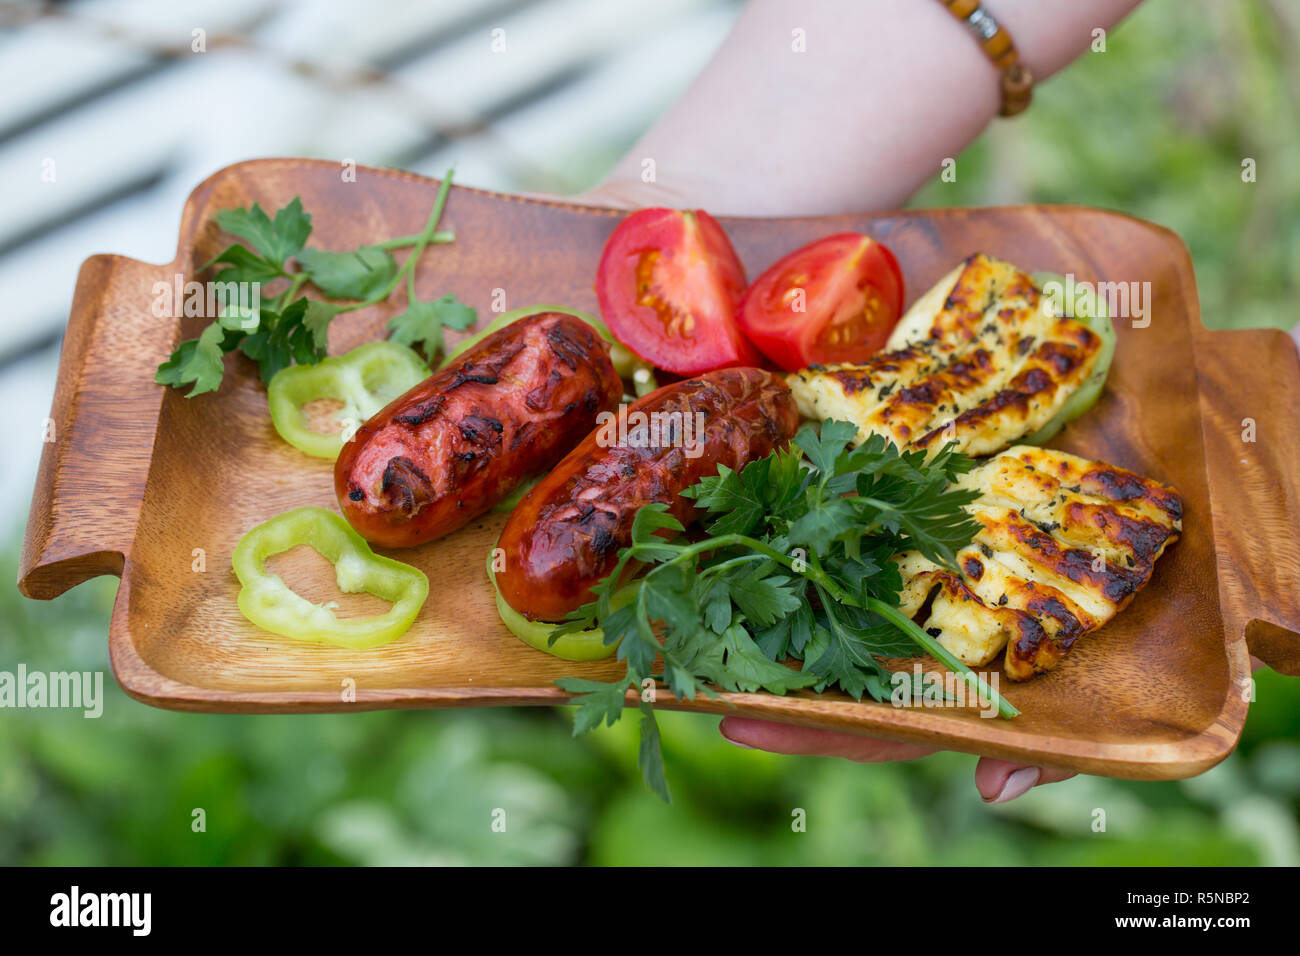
x=1050 y=34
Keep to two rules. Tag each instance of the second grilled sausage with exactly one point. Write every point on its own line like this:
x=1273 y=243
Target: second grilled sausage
x=463 y=439
x=566 y=533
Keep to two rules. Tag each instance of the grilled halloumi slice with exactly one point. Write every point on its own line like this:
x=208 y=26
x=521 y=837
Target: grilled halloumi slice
x=980 y=360
x=1064 y=545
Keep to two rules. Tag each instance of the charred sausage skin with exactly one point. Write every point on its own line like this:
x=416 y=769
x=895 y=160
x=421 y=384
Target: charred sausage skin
x=566 y=533
x=460 y=441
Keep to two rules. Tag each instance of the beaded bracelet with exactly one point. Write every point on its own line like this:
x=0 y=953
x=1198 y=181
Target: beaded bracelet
x=1017 y=81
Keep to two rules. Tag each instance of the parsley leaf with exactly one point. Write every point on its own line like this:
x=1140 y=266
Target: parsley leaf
x=349 y=275
x=423 y=322
x=277 y=241
x=795 y=568
x=651 y=756
x=747 y=668
x=241 y=264
x=598 y=702
x=317 y=321
x=739 y=501
x=283 y=338
x=198 y=361
x=289 y=329
x=825 y=447
x=765 y=597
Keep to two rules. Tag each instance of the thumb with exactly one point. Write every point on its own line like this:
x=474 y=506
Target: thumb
x=999 y=781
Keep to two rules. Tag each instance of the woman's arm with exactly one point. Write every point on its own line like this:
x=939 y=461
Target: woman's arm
x=882 y=93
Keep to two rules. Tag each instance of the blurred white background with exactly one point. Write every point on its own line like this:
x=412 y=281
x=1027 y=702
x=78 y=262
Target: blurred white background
x=109 y=117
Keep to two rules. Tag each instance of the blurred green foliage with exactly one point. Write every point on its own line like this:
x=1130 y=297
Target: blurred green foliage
x=411 y=787
x=1157 y=126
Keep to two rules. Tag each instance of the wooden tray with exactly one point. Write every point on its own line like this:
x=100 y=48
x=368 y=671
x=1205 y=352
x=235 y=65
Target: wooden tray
x=139 y=477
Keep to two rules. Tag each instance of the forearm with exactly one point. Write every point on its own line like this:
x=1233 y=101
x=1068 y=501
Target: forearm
x=884 y=91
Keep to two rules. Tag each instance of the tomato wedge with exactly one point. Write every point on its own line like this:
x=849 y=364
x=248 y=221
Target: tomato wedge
x=669 y=284
x=833 y=300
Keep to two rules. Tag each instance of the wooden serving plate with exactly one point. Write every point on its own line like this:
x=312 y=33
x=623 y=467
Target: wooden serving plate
x=139 y=477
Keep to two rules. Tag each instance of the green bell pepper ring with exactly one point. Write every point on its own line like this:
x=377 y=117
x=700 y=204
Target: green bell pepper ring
x=579 y=646
x=511 y=501
x=627 y=365
x=270 y=604
x=364 y=380
x=1091 y=311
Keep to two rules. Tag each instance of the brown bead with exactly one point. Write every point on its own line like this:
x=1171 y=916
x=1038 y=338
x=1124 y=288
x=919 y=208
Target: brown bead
x=1017 y=81
x=1017 y=89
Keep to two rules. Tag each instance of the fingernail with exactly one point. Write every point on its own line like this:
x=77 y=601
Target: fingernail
x=734 y=743
x=1018 y=784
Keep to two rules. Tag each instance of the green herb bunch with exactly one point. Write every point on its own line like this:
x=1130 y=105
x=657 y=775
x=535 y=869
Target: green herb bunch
x=291 y=328
x=794 y=566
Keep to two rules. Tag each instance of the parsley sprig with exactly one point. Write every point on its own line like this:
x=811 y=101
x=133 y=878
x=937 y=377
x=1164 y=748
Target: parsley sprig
x=795 y=566
x=292 y=328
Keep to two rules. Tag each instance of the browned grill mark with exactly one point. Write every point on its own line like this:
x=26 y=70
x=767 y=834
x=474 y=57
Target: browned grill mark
x=566 y=348
x=860 y=378
x=486 y=372
x=922 y=394
x=1070 y=627
x=424 y=413
x=1062 y=358
x=464 y=378
x=1120 y=485
x=1074 y=564
x=1033 y=381
x=480 y=429
x=1115 y=484
x=1142 y=536
x=998 y=403
x=407 y=484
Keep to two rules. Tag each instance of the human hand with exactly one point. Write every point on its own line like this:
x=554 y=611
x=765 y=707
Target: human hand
x=996 y=780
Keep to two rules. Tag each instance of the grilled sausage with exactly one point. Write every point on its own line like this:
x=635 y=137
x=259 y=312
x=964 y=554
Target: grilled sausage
x=463 y=439
x=566 y=533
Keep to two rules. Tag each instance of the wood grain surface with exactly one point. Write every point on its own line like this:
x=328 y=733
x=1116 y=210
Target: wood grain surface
x=139 y=480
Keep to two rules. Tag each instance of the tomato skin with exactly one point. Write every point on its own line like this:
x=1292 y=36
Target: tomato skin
x=669 y=284
x=852 y=296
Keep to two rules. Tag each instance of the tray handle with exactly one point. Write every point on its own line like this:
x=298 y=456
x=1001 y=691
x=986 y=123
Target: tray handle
x=99 y=436
x=1250 y=389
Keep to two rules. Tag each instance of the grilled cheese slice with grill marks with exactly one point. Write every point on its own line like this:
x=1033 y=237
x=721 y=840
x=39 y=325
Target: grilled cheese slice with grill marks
x=979 y=360
x=1064 y=545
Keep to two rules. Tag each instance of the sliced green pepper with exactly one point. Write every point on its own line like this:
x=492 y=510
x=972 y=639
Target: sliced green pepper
x=579 y=646
x=1091 y=311
x=508 y=504
x=270 y=604
x=364 y=380
x=627 y=365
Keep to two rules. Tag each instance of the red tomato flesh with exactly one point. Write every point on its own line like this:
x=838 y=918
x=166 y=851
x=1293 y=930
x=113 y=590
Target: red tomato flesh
x=834 y=300
x=669 y=284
